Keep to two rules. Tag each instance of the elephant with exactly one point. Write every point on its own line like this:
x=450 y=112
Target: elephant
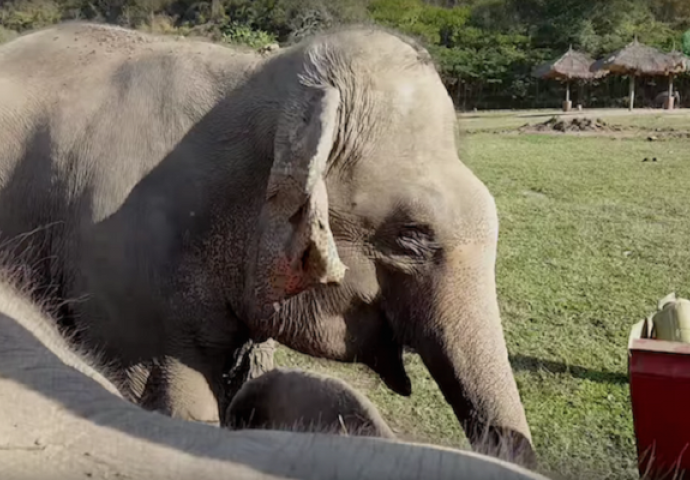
x=61 y=418
x=660 y=99
x=181 y=200
x=305 y=401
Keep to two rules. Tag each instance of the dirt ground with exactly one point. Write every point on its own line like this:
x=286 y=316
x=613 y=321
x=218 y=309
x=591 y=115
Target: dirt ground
x=654 y=124
x=597 y=126
x=572 y=125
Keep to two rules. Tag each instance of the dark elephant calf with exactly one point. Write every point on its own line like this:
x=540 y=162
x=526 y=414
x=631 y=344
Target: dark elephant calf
x=297 y=400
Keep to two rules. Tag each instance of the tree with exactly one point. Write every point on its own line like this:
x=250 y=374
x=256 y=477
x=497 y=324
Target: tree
x=484 y=49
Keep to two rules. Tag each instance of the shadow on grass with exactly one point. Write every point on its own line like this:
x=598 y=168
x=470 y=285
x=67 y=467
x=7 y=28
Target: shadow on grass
x=533 y=364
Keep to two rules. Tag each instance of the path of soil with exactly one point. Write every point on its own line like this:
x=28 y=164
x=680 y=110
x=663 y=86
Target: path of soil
x=572 y=125
x=597 y=126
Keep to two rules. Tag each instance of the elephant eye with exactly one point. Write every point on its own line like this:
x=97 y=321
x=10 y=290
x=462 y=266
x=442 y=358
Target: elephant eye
x=417 y=240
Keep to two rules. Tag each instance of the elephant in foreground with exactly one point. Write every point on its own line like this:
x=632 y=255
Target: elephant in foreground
x=286 y=398
x=181 y=200
x=62 y=419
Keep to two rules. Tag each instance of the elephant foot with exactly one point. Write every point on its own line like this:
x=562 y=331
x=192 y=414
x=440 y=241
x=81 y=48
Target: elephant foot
x=261 y=358
x=179 y=391
x=250 y=361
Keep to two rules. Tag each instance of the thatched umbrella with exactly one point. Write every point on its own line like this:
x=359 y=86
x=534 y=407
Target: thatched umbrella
x=636 y=59
x=572 y=65
x=682 y=65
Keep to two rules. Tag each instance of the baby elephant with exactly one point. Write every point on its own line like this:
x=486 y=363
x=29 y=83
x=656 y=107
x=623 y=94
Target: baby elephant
x=292 y=399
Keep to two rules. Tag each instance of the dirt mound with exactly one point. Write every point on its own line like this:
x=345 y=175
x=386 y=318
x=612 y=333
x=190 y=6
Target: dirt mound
x=555 y=124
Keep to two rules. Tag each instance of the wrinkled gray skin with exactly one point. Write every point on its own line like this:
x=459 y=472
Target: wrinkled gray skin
x=183 y=199
x=62 y=419
x=290 y=398
x=660 y=99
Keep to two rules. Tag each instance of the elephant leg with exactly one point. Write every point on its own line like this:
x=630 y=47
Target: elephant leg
x=250 y=361
x=186 y=388
x=261 y=358
x=193 y=386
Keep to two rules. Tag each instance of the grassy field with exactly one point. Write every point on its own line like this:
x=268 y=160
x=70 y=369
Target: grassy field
x=591 y=237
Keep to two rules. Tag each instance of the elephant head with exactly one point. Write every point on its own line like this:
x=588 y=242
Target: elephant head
x=375 y=237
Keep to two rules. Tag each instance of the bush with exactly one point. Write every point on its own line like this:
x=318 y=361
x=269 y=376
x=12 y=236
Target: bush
x=22 y=15
x=236 y=33
x=6 y=35
x=485 y=49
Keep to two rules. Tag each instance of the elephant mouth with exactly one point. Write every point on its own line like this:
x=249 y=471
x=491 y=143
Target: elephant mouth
x=397 y=380
x=388 y=363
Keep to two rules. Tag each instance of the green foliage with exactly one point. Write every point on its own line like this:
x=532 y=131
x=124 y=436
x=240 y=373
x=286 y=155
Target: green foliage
x=242 y=34
x=20 y=15
x=686 y=43
x=485 y=49
x=6 y=35
x=433 y=25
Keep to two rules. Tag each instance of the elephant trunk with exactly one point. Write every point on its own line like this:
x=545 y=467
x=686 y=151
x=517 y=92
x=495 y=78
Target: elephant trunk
x=465 y=352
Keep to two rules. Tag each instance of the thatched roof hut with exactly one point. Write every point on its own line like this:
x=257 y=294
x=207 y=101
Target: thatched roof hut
x=572 y=65
x=682 y=66
x=637 y=59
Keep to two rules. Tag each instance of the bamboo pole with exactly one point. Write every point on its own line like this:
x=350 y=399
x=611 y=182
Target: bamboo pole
x=567 y=104
x=581 y=94
x=632 y=91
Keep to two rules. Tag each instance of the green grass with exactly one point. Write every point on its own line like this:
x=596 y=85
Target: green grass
x=591 y=237
x=675 y=121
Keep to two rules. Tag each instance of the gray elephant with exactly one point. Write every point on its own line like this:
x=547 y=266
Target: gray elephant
x=286 y=398
x=660 y=100
x=62 y=419
x=180 y=199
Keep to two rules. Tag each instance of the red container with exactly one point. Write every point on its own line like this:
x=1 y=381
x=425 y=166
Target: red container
x=660 y=396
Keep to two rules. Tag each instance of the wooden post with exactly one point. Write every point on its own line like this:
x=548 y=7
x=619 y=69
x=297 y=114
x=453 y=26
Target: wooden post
x=671 y=101
x=632 y=91
x=581 y=93
x=567 y=105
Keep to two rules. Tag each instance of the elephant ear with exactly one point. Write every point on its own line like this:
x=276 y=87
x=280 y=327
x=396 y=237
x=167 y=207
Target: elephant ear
x=296 y=247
